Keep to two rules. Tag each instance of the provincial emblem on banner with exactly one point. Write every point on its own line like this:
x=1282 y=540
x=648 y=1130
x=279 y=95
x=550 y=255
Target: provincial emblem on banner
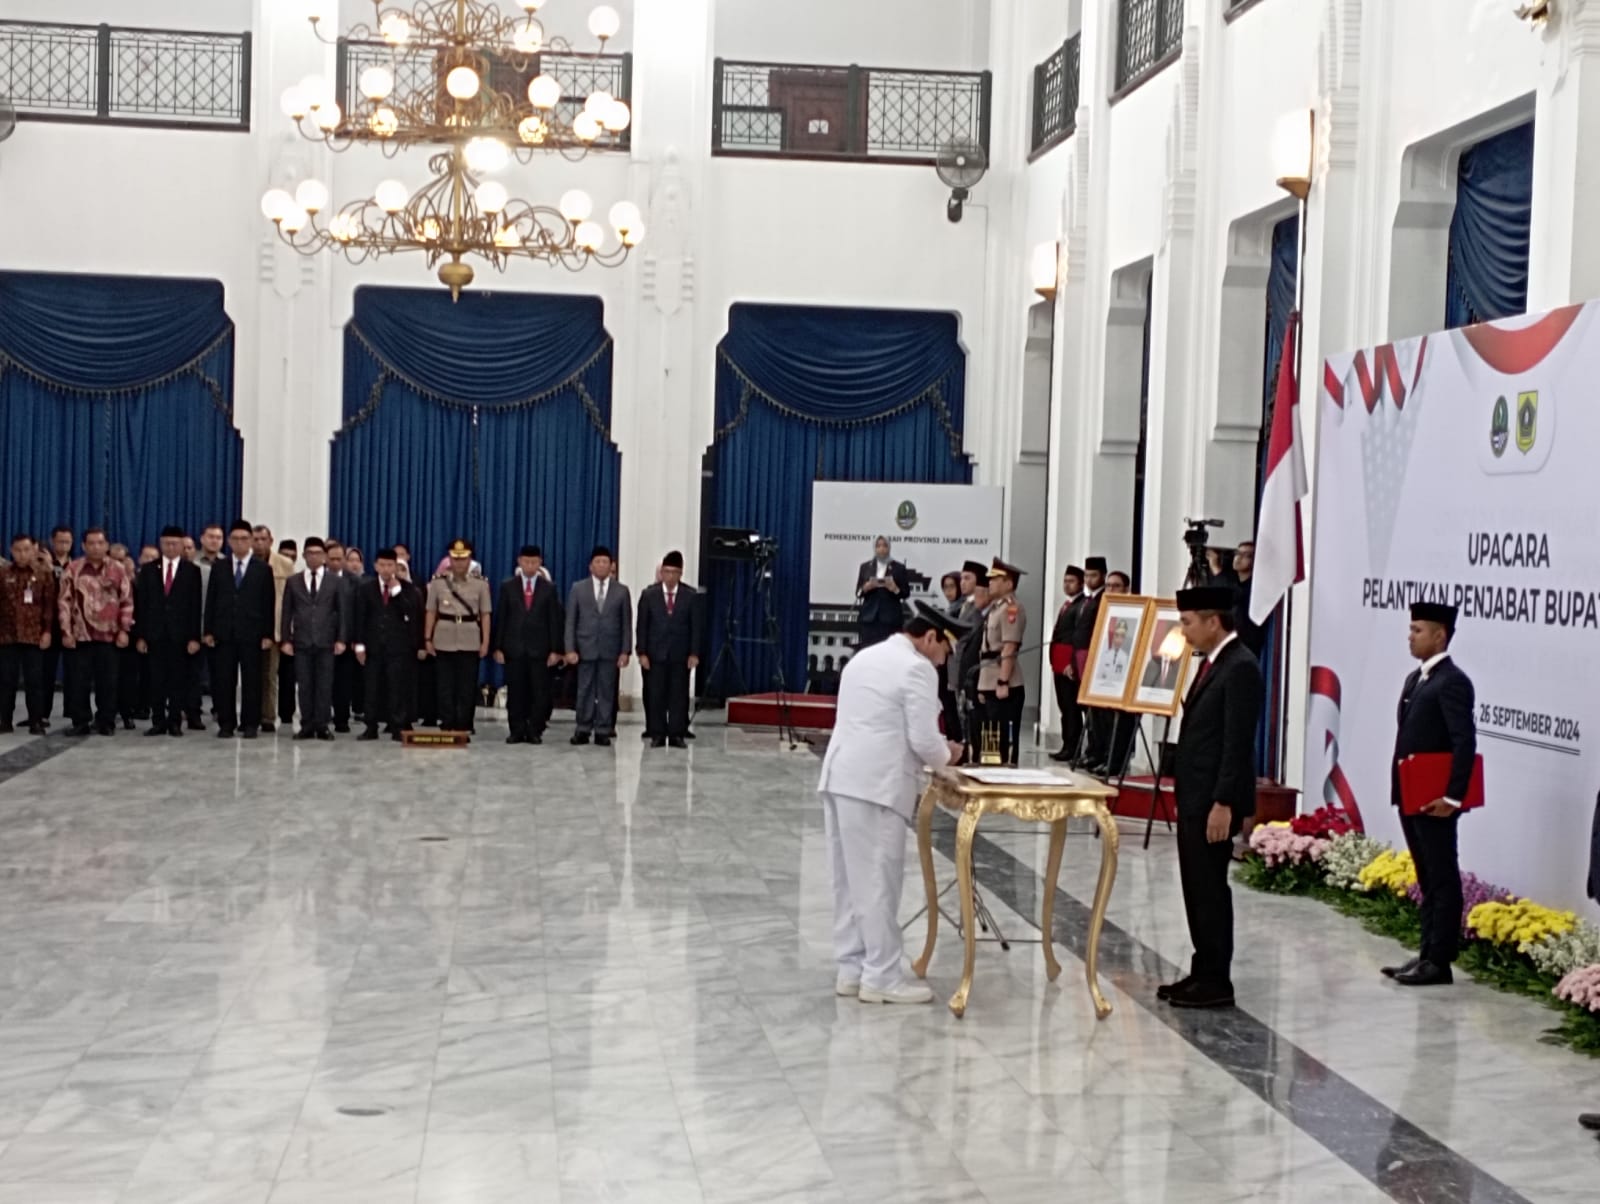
x=1499 y=427
x=1527 y=420
x=906 y=516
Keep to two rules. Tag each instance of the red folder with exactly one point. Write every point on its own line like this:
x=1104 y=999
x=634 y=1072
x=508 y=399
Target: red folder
x=1424 y=778
x=1060 y=658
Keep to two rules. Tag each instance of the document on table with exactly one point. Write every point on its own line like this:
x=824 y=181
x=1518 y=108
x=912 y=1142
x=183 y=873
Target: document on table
x=1019 y=777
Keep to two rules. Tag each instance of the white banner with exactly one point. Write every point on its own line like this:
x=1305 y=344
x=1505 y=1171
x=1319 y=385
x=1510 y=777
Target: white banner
x=1461 y=468
x=931 y=529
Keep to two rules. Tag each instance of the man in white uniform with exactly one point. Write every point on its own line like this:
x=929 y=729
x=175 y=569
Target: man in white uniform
x=885 y=731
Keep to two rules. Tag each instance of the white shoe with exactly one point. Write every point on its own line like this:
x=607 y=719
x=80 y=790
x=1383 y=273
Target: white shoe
x=846 y=988
x=901 y=992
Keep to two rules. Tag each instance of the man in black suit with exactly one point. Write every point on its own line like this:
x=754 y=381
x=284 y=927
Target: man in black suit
x=238 y=628
x=528 y=626
x=386 y=632
x=1215 y=783
x=167 y=626
x=883 y=586
x=1435 y=716
x=1096 y=750
x=1063 y=663
x=316 y=627
x=668 y=642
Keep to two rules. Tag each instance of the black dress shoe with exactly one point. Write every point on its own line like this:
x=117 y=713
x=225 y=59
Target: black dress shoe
x=305 y=733
x=196 y=724
x=247 y=733
x=1426 y=974
x=688 y=735
x=1590 y=1121
x=657 y=742
x=397 y=737
x=342 y=728
x=370 y=734
x=269 y=728
x=177 y=730
x=224 y=733
x=579 y=738
x=155 y=729
x=324 y=734
x=37 y=729
x=1062 y=755
x=1195 y=994
x=1404 y=968
x=536 y=738
x=515 y=738
x=127 y=724
x=1165 y=990
x=78 y=730
x=6 y=727
x=105 y=729
x=647 y=734
x=602 y=741
x=677 y=742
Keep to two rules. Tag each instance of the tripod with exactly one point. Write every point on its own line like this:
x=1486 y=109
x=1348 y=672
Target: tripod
x=771 y=637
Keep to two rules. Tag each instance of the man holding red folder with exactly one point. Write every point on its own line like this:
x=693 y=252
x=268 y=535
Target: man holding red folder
x=1435 y=717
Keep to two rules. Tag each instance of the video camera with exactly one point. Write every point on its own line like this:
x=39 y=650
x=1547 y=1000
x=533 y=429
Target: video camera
x=1196 y=536
x=740 y=544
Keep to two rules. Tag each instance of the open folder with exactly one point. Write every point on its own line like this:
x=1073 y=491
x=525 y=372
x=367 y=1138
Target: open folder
x=1425 y=777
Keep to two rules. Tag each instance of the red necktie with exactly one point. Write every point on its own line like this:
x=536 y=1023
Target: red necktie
x=672 y=597
x=167 y=588
x=527 y=595
x=1205 y=671
x=384 y=594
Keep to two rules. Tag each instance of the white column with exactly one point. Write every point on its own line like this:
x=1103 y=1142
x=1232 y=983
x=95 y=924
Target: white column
x=1564 y=263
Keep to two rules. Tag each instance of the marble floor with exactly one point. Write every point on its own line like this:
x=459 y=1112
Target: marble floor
x=273 y=972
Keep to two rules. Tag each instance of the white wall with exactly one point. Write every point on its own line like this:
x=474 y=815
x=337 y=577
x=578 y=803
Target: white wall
x=228 y=16
x=927 y=34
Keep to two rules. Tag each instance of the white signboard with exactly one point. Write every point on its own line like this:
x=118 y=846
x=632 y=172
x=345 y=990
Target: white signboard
x=1460 y=468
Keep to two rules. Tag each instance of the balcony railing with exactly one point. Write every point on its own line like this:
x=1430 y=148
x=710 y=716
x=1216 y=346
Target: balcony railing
x=1149 y=36
x=1055 y=97
x=123 y=76
x=419 y=70
x=860 y=114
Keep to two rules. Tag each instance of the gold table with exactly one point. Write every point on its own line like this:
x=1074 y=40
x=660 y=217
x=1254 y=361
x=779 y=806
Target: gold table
x=1053 y=805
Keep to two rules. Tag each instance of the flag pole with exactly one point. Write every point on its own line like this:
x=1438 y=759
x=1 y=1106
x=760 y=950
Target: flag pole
x=1297 y=330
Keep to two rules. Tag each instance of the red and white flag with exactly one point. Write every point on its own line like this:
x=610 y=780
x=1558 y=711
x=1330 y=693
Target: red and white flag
x=1280 y=550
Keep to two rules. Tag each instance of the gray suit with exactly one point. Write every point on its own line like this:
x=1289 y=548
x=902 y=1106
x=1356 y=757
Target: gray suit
x=313 y=626
x=599 y=637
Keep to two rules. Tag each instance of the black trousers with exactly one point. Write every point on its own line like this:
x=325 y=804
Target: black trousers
x=235 y=666
x=1006 y=715
x=49 y=670
x=1071 y=713
x=24 y=662
x=390 y=680
x=457 y=683
x=952 y=710
x=287 y=678
x=171 y=682
x=313 y=678
x=1432 y=842
x=1100 y=721
x=428 y=692
x=1123 y=728
x=202 y=681
x=93 y=663
x=133 y=683
x=649 y=717
x=528 y=702
x=348 y=688
x=1207 y=897
x=666 y=701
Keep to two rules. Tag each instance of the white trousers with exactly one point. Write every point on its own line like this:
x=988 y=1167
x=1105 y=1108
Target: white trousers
x=867 y=857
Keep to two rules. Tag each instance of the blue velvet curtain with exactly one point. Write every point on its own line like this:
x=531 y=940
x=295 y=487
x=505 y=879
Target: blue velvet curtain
x=811 y=394
x=1281 y=282
x=116 y=405
x=486 y=419
x=1487 y=276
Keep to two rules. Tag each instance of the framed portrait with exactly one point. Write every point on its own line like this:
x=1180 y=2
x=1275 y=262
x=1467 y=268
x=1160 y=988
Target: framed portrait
x=1119 y=629
x=1163 y=663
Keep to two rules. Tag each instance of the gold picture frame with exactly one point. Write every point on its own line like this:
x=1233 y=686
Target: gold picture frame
x=1119 y=630
x=1163 y=664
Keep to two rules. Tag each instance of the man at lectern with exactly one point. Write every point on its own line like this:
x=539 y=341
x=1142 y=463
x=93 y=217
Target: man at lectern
x=1436 y=716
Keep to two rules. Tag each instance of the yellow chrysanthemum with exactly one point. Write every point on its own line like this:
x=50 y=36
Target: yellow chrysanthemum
x=1520 y=922
x=1390 y=871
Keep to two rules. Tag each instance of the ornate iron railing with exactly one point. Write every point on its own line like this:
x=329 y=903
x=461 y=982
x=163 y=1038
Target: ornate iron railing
x=1149 y=36
x=416 y=70
x=125 y=76
x=865 y=114
x=1055 y=97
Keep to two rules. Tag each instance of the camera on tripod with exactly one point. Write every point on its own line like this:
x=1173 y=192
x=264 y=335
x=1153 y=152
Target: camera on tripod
x=1196 y=536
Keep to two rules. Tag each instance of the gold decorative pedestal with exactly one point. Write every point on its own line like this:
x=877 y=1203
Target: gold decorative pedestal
x=1052 y=805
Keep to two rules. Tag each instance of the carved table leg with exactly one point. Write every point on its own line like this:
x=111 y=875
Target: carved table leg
x=965 y=830
x=925 y=810
x=1109 y=838
x=1052 y=871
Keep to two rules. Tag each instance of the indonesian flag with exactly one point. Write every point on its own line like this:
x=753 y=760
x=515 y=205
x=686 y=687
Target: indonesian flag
x=1280 y=552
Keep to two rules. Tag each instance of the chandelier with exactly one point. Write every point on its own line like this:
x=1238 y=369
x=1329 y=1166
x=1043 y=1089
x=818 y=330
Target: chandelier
x=485 y=87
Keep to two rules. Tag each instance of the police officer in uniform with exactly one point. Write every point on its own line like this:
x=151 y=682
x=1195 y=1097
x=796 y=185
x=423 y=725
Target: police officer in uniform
x=962 y=667
x=456 y=635
x=1000 y=687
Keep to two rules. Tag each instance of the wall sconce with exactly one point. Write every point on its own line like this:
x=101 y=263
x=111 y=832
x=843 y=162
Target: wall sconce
x=1536 y=12
x=1044 y=269
x=1293 y=143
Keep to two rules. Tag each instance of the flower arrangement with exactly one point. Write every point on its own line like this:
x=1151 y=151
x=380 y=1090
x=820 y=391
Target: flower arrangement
x=1474 y=890
x=1522 y=922
x=1581 y=988
x=1325 y=822
x=1346 y=857
x=1390 y=871
x=1559 y=955
x=1511 y=943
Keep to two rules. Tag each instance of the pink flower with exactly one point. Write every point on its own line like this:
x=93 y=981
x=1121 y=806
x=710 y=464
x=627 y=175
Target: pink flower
x=1581 y=988
x=1279 y=845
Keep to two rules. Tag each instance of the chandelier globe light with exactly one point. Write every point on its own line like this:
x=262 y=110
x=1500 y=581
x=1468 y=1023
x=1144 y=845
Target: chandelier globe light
x=478 y=86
